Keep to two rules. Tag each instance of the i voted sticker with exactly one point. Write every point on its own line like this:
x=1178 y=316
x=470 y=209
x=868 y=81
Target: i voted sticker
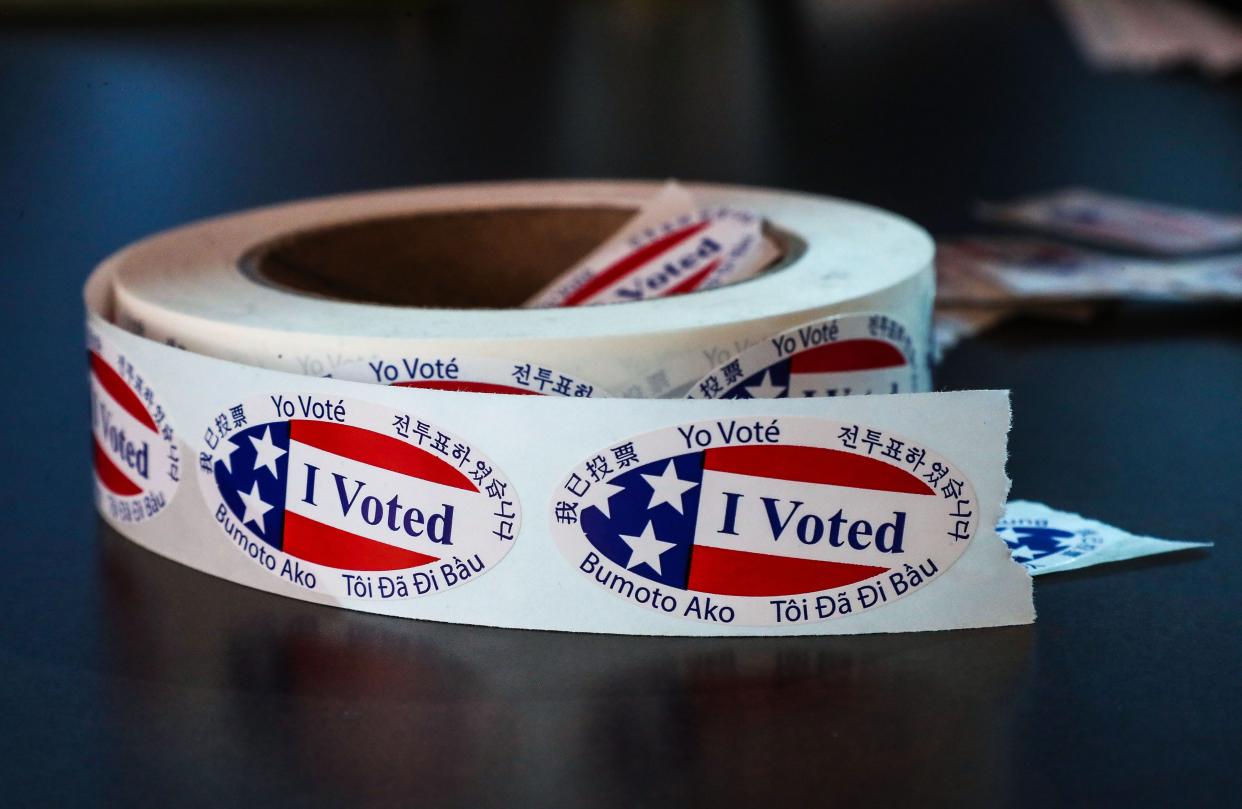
x=354 y=499
x=473 y=375
x=136 y=457
x=837 y=356
x=764 y=522
x=1039 y=544
x=697 y=250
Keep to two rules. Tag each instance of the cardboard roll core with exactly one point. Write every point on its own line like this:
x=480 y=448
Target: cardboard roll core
x=466 y=259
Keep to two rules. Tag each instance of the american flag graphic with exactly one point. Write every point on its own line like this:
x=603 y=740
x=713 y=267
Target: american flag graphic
x=817 y=370
x=663 y=520
x=1028 y=543
x=343 y=496
x=684 y=254
x=632 y=263
x=130 y=417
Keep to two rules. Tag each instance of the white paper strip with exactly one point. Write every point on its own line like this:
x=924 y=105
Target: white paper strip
x=1045 y=540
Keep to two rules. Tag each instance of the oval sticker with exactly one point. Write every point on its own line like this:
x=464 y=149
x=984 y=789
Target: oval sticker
x=764 y=522
x=473 y=375
x=696 y=250
x=136 y=457
x=354 y=499
x=836 y=356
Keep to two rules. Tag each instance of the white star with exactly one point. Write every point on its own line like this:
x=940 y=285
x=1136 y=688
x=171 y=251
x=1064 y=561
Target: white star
x=766 y=389
x=266 y=453
x=646 y=549
x=611 y=489
x=668 y=488
x=1022 y=554
x=255 y=507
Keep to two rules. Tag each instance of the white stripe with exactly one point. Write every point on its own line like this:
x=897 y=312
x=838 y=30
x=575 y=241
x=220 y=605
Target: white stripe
x=876 y=380
x=755 y=532
x=118 y=418
x=471 y=513
x=118 y=415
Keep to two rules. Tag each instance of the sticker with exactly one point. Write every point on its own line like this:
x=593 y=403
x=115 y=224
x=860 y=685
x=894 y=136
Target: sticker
x=1001 y=270
x=472 y=375
x=353 y=499
x=764 y=522
x=1044 y=540
x=137 y=459
x=696 y=250
x=1115 y=221
x=836 y=356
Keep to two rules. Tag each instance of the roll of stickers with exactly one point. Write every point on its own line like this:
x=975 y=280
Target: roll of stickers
x=305 y=399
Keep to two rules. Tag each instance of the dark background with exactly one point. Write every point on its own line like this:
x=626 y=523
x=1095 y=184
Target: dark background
x=125 y=678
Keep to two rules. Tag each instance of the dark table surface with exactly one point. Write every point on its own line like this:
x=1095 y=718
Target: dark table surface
x=127 y=679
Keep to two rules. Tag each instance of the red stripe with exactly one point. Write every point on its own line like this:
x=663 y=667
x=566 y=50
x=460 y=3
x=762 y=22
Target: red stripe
x=848 y=355
x=814 y=465
x=610 y=275
x=742 y=573
x=324 y=545
x=471 y=387
x=120 y=392
x=383 y=451
x=692 y=283
x=110 y=475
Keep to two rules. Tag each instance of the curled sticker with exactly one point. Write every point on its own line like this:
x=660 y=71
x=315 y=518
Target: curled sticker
x=136 y=456
x=472 y=375
x=834 y=356
x=764 y=522
x=698 y=250
x=353 y=499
